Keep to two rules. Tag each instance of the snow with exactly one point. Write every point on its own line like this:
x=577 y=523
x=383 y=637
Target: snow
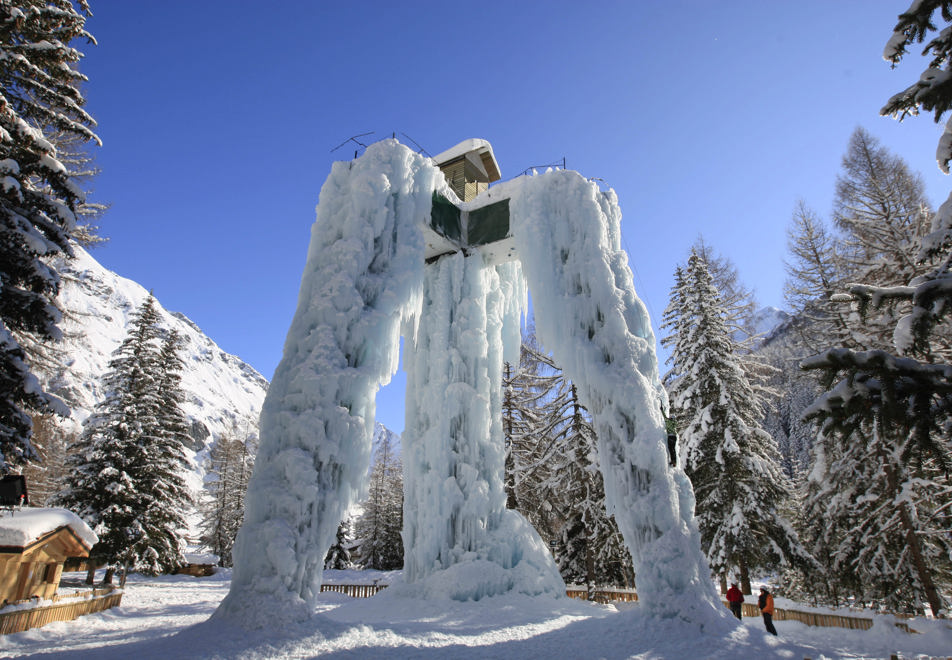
x=168 y=617
x=20 y=527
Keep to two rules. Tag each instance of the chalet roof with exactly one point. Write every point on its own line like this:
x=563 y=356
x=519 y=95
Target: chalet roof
x=481 y=154
x=21 y=527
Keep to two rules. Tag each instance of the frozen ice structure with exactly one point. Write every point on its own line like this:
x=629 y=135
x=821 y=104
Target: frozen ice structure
x=366 y=281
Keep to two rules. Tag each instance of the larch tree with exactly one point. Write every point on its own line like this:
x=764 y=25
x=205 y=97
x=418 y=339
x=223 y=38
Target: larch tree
x=223 y=506
x=731 y=461
x=39 y=198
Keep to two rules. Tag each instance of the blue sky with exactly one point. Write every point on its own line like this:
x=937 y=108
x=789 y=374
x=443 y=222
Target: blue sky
x=707 y=118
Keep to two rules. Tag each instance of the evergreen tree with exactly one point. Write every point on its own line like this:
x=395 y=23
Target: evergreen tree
x=379 y=528
x=931 y=92
x=593 y=551
x=557 y=485
x=125 y=479
x=729 y=458
x=161 y=546
x=39 y=198
x=338 y=556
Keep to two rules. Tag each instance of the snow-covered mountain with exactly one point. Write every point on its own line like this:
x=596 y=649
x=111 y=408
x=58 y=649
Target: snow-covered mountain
x=768 y=321
x=221 y=391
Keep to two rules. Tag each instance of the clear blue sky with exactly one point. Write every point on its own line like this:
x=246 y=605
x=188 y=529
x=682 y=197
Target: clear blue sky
x=706 y=117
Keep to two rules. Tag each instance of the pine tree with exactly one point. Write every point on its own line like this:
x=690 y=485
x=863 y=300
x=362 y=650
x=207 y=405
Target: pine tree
x=161 y=546
x=338 y=556
x=557 y=485
x=379 y=527
x=931 y=92
x=125 y=480
x=39 y=198
x=729 y=458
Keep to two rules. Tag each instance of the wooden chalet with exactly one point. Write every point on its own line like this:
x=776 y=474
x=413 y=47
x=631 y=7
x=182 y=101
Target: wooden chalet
x=34 y=545
x=469 y=167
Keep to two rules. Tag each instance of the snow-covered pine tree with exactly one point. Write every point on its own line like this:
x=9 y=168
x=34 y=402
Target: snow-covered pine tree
x=592 y=549
x=883 y=461
x=39 y=93
x=556 y=481
x=123 y=481
x=223 y=506
x=931 y=92
x=379 y=528
x=338 y=556
x=161 y=478
x=730 y=459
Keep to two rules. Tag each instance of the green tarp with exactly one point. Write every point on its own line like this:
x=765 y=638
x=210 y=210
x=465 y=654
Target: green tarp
x=488 y=224
x=445 y=218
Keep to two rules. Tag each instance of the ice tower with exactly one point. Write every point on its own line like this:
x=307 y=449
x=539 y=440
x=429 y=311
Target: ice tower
x=400 y=247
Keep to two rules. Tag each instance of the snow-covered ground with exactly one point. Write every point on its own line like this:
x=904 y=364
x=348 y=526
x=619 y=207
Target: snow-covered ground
x=166 y=618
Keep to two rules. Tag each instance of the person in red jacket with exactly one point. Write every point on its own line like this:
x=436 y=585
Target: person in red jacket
x=735 y=600
x=766 y=608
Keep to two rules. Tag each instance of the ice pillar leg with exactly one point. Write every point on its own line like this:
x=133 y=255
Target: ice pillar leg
x=460 y=540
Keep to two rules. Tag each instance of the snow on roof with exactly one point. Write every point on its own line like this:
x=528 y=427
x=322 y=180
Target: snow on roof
x=482 y=147
x=21 y=527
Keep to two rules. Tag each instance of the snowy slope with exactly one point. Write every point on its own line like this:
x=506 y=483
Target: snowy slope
x=97 y=306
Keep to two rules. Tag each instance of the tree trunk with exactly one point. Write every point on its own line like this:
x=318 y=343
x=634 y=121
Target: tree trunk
x=925 y=575
x=589 y=568
x=912 y=541
x=107 y=578
x=91 y=573
x=744 y=578
x=723 y=583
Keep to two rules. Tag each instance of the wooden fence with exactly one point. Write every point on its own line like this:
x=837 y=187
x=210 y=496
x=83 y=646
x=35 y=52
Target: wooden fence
x=354 y=590
x=76 y=605
x=606 y=596
x=817 y=618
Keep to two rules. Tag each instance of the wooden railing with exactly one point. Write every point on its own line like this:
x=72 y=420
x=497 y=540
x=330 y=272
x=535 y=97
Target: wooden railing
x=817 y=618
x=354 y=590
x=74 y=605
x=606 y=596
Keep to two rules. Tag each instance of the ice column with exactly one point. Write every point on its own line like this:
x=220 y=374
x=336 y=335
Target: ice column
x=461 y=542
x=363 y=276
x=587 y=314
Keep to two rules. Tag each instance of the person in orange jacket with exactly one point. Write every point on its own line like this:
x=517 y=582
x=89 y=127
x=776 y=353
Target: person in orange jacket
x=735 y=600
x=765 y=602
